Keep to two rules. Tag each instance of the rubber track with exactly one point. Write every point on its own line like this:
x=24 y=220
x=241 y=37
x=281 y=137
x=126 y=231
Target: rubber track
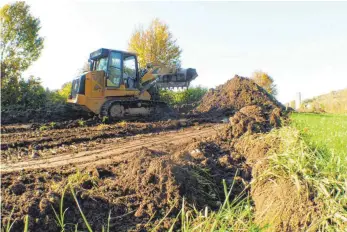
x=104 y=111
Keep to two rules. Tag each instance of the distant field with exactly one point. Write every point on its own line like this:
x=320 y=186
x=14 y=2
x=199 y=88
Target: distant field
x=333 y=102
x=324 y=131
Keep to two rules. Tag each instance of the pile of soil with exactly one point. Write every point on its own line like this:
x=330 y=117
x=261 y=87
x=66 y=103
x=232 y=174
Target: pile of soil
x=280 y=205
x=235 y=94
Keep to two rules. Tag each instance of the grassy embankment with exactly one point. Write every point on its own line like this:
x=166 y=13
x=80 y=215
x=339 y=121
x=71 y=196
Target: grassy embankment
x=312 y=153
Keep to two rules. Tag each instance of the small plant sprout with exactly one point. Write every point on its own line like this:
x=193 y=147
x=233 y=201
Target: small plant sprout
x=81 y=122
x=43 y=128
x=61 y=217
x=52 y=124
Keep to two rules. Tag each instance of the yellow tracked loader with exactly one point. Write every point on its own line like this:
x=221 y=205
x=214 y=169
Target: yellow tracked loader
x=115 y=86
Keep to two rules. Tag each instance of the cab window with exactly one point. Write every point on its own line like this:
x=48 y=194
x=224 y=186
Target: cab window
x=130 y=66
x=115 y=70
x=101 y=64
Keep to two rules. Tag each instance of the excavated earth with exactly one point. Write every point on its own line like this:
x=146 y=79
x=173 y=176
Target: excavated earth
x=139 y=172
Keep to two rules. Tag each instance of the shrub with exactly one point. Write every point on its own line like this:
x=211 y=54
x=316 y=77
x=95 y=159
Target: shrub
x=186 y=96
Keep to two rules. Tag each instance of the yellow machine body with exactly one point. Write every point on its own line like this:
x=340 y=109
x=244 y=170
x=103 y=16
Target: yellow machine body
x=96 y=92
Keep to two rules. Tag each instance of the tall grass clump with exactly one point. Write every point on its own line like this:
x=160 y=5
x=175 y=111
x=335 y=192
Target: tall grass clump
x=233 y=215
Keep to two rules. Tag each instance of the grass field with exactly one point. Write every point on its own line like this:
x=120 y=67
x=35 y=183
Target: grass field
x=323 y=131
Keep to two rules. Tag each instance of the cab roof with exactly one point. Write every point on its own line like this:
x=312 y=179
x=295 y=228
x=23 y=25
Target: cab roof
x=102 y=52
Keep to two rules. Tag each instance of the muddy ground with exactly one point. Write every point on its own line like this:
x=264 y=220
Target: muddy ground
x=139 y=174
x=32 y=141
x=140 y=171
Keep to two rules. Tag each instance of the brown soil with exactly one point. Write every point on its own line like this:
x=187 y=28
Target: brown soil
x=103 y=151
x=235 y=94
x=253 y=119
x=21 y=142
x=139 y=189
x=51 y=113
x=282 y=206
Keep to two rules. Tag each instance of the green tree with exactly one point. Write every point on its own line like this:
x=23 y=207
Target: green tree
x=61 y=95
x=20 y=46
x=264 y=80
x=155 y=45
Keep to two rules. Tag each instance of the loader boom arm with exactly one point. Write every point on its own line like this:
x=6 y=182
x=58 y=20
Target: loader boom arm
x=167 y=77
x=155 y=71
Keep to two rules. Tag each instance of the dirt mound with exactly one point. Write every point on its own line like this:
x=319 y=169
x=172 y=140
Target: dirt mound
x=150 y=176
x=235 y=94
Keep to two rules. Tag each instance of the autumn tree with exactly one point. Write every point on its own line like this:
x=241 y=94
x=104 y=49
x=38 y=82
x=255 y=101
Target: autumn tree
x=155 y=45
x=264 y=80
x=20 y=46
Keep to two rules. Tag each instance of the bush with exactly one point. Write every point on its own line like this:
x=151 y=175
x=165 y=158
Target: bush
x=31 y=94
x=60 y=96
x=186 y=96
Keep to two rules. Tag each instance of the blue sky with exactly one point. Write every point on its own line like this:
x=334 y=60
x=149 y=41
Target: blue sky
x=302 y=45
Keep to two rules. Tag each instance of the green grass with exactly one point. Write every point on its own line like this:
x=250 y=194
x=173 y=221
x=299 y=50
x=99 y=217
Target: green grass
x=323 y=131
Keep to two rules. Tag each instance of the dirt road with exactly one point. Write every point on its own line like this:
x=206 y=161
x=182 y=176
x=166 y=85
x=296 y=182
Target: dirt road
x=116 y=149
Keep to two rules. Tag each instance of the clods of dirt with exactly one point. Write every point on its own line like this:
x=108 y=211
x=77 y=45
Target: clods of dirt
x=253 y=119
x=139 y=192
x=17 y=188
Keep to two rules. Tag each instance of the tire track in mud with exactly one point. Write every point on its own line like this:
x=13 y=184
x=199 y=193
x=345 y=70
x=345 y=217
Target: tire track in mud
x=70 y=138
x=115 y=152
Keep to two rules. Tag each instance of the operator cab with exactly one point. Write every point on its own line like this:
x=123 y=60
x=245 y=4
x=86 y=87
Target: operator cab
x=121 y=68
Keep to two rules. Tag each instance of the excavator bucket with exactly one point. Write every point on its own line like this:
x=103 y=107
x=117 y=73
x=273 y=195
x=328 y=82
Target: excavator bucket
x=181 y=78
